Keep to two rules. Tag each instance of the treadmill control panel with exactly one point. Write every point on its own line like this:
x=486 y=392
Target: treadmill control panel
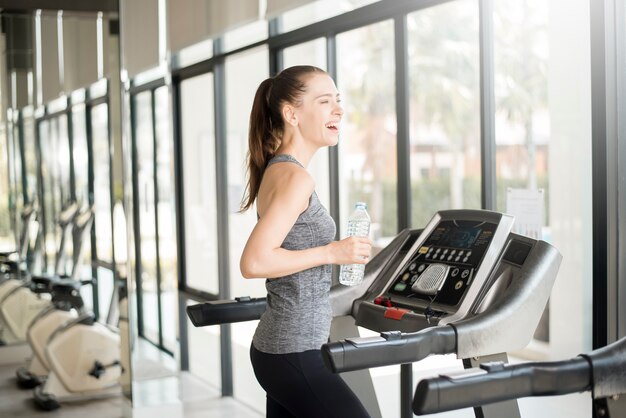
x=442 y=268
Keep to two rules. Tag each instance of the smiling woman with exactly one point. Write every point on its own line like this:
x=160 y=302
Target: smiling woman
x=293 y=115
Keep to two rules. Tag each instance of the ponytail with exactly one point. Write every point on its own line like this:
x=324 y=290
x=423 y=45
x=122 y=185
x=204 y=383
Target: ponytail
x=266 y=123
x=262 y=143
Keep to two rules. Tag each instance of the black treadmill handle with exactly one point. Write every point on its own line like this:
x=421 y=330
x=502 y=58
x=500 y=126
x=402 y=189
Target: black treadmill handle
x=389 y=348
x=497 y=382
x=226 y=311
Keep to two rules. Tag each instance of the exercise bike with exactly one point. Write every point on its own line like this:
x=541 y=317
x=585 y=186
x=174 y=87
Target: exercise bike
x=67 y=305
x=82 y=356
x=22 y=299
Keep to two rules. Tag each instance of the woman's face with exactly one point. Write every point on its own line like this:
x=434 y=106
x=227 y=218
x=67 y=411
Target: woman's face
x=320 y=111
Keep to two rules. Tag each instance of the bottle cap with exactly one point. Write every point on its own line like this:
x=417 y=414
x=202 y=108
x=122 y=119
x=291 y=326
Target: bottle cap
x=360 y=205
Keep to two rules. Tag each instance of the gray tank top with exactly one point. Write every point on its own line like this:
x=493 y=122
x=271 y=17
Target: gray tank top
x=298 y=311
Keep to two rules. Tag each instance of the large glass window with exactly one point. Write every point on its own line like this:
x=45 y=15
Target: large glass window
x=198 y=170
x=50 y=191
x=200 y=214
x=166 y=212
x=157 y=264
x=30 y=156
x=542 y=132
x=521 y=54
x=102 y=181
x=367 y=143
x=7 y=240
x=16 y=182
x=313 y=53
x=60 y=130
x=144 y=148
x=444 y=109
x=80 y=154
x=80 y=160
x=244 y=74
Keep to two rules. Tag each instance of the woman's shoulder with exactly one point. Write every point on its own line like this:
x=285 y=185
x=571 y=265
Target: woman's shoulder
x=288 y=175
x=285 y=182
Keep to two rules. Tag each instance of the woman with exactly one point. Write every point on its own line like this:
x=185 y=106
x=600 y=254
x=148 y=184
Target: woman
x=293 y=115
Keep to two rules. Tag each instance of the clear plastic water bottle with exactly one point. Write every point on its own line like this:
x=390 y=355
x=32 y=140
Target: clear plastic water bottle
x=359 y=226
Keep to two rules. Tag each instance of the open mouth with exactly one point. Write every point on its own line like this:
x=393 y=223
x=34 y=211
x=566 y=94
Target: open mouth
x=333 y=126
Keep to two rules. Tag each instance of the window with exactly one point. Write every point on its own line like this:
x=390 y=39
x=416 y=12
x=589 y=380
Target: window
x=198 y=152
x=367 y=143
x=444 y=109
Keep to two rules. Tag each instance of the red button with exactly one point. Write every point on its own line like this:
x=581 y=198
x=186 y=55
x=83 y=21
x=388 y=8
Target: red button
x=395 y=313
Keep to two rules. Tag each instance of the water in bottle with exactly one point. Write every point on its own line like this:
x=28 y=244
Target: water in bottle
x=358 y=225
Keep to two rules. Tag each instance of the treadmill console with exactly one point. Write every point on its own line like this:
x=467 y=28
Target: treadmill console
x=442 y=268
x=440 y=274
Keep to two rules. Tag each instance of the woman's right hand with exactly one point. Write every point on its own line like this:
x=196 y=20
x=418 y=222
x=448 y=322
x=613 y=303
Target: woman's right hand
x=351 y=250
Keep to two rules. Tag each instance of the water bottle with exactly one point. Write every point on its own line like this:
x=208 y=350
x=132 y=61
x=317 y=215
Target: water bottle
x=359 y=226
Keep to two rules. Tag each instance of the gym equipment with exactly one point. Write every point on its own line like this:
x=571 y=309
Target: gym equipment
x=19 y=306
x=67 y=304
x=601 y=371
x=81 y=356
x=465 y=285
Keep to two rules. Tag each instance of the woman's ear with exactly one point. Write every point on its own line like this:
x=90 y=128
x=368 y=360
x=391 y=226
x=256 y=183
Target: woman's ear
x=289 y=115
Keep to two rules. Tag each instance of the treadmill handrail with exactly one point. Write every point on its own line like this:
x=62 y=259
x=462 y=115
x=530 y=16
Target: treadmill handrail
x=392 y=347
x=218 y=312
x=602 y=371
x=497 y=382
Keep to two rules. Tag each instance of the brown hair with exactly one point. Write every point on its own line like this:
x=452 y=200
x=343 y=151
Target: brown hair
x=266 y=122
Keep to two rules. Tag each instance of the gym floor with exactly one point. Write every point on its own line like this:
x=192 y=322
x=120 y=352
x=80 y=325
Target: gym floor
x=198 y=400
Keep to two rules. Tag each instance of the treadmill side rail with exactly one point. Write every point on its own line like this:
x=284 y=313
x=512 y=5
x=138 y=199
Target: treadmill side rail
x=226 y=311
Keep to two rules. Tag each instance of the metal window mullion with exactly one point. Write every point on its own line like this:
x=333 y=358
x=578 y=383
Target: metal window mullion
x=22 y=156
x=277 y=63
x=42 y=190
x=221 y=157
x=70 y=145
x=600 y=174
x=156 y=217
x=333 y=152
x=136 y=228
x=604 y=136
x=487 y=106
x=620 y=48
x=111 y=194
x=91 y=200
x=403 y=153
x=403 y=141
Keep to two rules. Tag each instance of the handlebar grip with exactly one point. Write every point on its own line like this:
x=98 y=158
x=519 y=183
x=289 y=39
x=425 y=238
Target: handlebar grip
x=497 y=382
x=389 y=348
x=226 y=311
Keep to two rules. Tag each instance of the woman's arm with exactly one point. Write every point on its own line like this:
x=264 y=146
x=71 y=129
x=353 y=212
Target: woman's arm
x=264 y=258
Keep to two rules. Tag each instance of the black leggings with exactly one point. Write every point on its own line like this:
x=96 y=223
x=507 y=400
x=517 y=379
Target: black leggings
x=299 y=385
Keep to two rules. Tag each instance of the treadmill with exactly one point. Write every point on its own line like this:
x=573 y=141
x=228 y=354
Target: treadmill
x=465 y=284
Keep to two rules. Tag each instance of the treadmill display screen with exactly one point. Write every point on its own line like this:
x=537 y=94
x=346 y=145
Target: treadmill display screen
x=443 y=267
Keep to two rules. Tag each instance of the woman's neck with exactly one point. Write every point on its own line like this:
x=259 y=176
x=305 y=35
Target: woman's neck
x=300 y=150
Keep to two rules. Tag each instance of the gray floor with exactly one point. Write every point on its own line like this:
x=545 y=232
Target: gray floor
x=175 y=397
